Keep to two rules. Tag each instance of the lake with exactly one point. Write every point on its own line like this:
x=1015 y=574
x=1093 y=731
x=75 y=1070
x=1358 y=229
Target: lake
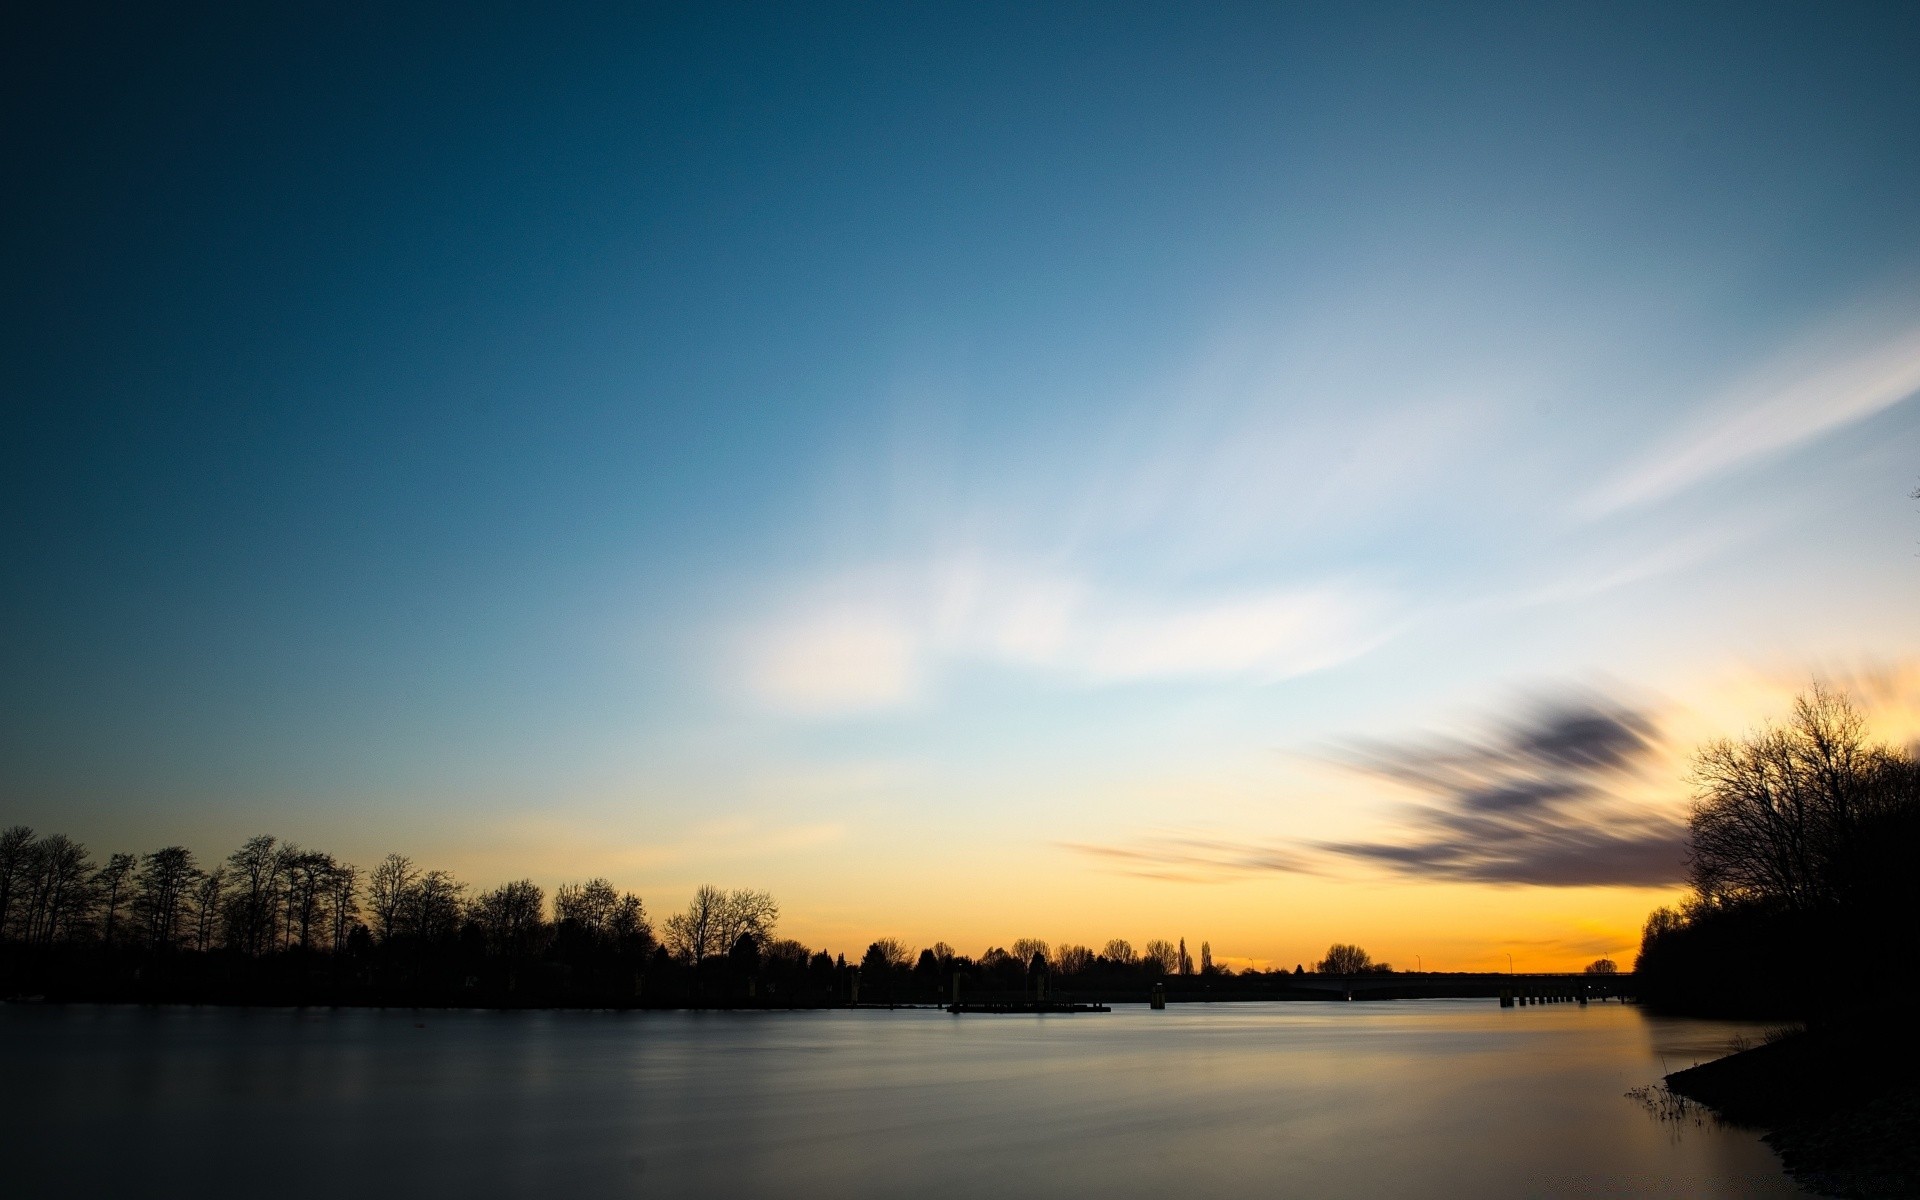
x=1442 y=1098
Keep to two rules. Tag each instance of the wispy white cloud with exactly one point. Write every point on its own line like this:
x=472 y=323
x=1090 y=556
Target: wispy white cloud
x=837 y=660
x=1786 y=404
x=878 y=639
x=1593 y=574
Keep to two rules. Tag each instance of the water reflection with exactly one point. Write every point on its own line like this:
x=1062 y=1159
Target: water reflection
x=1411 y=1098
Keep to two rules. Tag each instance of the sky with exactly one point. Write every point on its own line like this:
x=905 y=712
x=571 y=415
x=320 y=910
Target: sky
x=1260 y=474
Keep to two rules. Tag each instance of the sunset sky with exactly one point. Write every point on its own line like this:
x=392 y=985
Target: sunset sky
x=1258 y=474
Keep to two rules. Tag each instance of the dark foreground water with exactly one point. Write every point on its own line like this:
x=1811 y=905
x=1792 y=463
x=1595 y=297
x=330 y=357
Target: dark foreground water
x=1406 y=1098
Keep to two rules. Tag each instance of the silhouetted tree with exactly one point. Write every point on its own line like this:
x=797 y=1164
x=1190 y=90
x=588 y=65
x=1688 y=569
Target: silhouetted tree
x=1345 y=959
x=60 y=897
x=1160 y=958
x=744 y=958
x=1074 y=960
x=387 y=889
x=309 y=894
x=1025 y=948
x=589 y=904
x=1777 y=816
x=1119 y=951
x=714 y=920
x=255 y=875
x=161 y=891
x=1602 y=966
x=888 y=953
x=629 y=928
x=513 y=917
x=343 y=902
x=111 y=883
x=691 y=935
x=16 y=859
x=1002 y=969
x=746 y=913
x=1803 y=839
x=206 y=907
x=1206 y=958
x=431 y=910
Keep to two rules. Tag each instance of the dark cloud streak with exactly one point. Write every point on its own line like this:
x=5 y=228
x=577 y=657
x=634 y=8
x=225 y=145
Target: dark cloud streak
x=1534 y=801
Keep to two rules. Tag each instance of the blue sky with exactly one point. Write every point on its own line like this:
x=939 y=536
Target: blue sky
x=863 y=450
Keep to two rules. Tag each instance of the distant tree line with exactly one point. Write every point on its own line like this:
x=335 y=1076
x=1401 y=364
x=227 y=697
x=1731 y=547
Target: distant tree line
x=1803 y=850
x=275 y=922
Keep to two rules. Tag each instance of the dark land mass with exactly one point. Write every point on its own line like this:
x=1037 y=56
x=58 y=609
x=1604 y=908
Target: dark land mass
x=469 y=976
x=1840 y=1101
x=1802 y=845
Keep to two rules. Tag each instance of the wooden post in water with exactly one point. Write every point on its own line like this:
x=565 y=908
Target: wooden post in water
x=1159 y=996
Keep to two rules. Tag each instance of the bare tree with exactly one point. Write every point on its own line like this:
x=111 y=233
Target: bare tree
x=112 y=882
x=16 y=860
x=513 y=917
x=888 y=953
x=1120 y=952
x=1072 y=959
x=387 y=890
x=590 y=905
x=1160 y=957
x=1345 y=959
x=161 y=890
x=1776 y=816
x=309 y=895
x=206 y=907
x=691 y=935
x=286 y=916
x=746 y=913
x=628 y=926
x=60 y=897
x=714 y=921
x=343 y=902
x=256 y=875
x=1025 y=948
x=1603 y=966
x=431 y=907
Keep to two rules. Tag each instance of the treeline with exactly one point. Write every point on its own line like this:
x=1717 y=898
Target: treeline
x=1804 y=868
x=275 y=922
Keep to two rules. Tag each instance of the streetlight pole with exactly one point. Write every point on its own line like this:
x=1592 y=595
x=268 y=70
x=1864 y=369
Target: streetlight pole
x=1509 y=964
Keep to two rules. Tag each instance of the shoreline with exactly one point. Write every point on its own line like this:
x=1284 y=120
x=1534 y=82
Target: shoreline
x=1839 y=1103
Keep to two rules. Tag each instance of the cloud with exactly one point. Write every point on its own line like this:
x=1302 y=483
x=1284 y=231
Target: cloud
x=837 y=661
x=878 y=639
x=1273 y=635
x=1790 y=402
x=1197 y=860
x=1536 y=801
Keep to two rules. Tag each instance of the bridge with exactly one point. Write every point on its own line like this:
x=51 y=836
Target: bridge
x=1510 y=989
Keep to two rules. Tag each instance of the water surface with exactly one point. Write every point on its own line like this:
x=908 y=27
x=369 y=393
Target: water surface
x=1443 y=1098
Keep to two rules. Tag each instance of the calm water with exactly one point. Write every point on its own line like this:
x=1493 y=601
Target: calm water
x=1407 y=1098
